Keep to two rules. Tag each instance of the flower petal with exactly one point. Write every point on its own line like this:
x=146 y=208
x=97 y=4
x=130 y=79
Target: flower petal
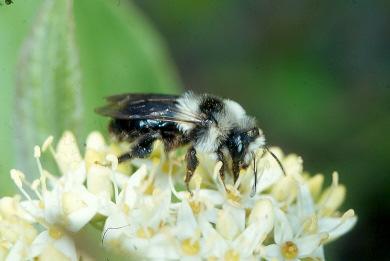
x=53 y=205
x=215 y=197
x=215 y=244
x=272 y=252
x=335 y=226
x=308 y=244
x=66 y=246
x=67 y=153
x=39 y=243
x=32 y=209
x=17 y=251
x=79 y=218
x=252 y=236
x=116 y=224
x=99 y=181
x=160 y=248
x=137 y=177
x=262 y=211
x=186 y=224
x=230 y=221
x=282 y=230
x=305 y=201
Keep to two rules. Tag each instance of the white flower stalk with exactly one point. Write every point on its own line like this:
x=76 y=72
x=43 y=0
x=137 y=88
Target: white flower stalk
x=146 y=210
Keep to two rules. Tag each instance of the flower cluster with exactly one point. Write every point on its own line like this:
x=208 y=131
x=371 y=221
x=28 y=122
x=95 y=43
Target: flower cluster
x=147 y=211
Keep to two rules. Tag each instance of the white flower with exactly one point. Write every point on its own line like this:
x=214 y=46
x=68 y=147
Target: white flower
x=16 y=233
x=56 y=242
x=63 y=201
x=58 y=204
x=142 y=207
x=189 y=244
x=234 y=238
x=290 y=246
x=316 y=219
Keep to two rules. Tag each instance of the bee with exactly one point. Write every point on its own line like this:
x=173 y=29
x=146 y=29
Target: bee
x=206 y=123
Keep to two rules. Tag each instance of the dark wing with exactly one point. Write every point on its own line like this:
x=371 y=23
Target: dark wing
x=147 y=106
x=140 y=97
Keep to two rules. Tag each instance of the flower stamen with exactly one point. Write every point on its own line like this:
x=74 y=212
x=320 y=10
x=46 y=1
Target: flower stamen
x=232 y=255
x=145 y=233
x=190 y=247
x=233 y=194
x=18 y=177
x=289 y=250
x=34 y=187
x=55 y=232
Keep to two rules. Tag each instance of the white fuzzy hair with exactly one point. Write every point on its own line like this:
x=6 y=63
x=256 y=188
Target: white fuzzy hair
x=231 y=116
x=188 y=107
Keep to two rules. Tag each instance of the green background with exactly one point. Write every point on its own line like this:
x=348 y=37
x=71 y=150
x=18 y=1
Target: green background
x=316 y=74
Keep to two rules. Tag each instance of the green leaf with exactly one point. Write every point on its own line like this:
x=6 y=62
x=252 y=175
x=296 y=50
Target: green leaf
x=48 y=84
x=120 y=52
x=15 y=22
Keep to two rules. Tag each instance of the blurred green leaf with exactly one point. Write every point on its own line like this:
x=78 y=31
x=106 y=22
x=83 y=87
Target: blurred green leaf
x=119 y=52
x=48 y=86
x=15 y=21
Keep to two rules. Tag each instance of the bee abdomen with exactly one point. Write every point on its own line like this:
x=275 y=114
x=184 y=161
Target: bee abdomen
x=129 y=130
x=120 y=129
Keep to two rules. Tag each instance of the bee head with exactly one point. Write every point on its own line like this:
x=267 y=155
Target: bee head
x=243 y=144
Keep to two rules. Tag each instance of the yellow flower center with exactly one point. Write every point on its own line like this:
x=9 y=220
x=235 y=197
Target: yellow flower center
x=145 y=232
x=233 y=194
x=232 y=255
x=125 y=208
x=41 y=204
x=156 y=161
x=55 y=232
x=289 y=250
x=196 y=206
x=5 y=245
x=149 y=189
x=165 y=167
x=190 y=247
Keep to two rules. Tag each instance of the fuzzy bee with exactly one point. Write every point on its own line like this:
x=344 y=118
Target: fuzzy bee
x=207 y=123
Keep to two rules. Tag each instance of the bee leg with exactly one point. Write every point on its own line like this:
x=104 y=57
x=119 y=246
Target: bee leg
x=192 y=164
x=221 y=158
x=235 y=170
x=141 y=148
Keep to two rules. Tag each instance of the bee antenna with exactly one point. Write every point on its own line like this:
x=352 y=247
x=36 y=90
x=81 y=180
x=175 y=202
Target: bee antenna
x=276 y=158
x=254 y=188
x=111 y=228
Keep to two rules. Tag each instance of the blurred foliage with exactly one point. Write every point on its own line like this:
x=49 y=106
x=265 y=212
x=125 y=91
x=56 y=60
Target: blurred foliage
x=48 y=76
x=118 y=52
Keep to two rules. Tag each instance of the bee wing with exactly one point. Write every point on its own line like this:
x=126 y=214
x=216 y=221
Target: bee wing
x=137 y=97
x=147 y=106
